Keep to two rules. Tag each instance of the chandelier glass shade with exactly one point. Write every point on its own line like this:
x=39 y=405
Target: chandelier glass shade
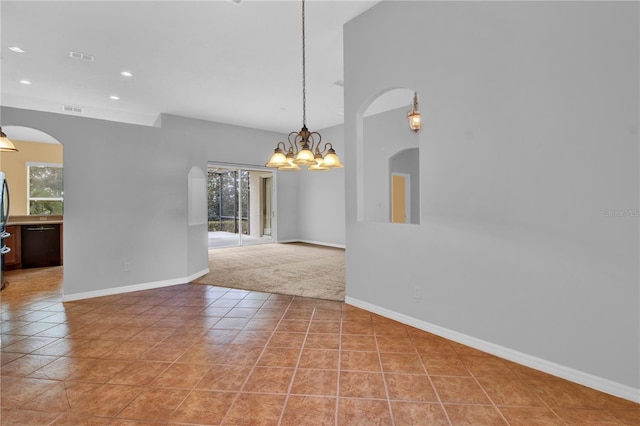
x=304 y=146
x=5 y=143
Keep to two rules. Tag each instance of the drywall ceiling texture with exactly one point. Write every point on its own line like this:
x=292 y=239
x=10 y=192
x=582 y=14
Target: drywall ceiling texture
x=528 y=240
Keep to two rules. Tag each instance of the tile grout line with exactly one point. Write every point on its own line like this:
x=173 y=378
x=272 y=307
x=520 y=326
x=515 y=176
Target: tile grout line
x=435 y=391
x=493 y=404
x=339 y=372
x=384 y=378
x=253 y=368
x=295 y=371
x=148 y=386
x=543 y=401
x=174 y=362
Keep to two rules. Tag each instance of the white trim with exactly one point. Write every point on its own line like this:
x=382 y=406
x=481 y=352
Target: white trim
x=40 y=164
x=317 y=243
x=577 y=376
x=132 y=288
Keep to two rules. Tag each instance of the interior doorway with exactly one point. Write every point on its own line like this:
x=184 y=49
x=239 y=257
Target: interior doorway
x=400 y=198
x=240 y=206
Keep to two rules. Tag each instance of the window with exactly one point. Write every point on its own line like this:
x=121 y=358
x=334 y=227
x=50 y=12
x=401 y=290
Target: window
x=44 y=189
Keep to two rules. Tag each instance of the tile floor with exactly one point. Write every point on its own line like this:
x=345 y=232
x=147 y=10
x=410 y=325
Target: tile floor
x=197 y=354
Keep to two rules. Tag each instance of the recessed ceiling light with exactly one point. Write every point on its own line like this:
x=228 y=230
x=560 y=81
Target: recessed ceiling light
x=25 y=82
x=16 y=49
x=114 y=97
x=126 y=74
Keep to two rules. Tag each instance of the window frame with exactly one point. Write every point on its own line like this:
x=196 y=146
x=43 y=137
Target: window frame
x=30 y=164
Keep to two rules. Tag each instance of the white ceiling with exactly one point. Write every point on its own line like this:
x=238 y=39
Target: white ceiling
x=213 y=60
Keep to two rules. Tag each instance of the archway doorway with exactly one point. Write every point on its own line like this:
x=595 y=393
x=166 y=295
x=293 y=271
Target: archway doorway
x=34 y=175
x=240 y=206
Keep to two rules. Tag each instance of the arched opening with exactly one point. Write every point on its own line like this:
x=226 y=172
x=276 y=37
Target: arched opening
x=34 y=224
x=389 y=160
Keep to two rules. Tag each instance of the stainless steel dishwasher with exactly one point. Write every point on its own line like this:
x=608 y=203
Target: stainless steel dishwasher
x=40 y=245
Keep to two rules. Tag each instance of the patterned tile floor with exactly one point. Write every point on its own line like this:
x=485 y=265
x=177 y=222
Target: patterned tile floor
x=196 y=354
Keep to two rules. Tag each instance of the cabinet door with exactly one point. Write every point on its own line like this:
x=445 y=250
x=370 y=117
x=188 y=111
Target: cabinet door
x=12 y=260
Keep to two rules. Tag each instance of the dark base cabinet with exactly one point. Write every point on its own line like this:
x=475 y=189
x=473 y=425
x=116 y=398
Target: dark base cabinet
x=13 y=259
x=40 y=245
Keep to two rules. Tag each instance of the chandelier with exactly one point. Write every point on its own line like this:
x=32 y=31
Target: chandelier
x=304 y=146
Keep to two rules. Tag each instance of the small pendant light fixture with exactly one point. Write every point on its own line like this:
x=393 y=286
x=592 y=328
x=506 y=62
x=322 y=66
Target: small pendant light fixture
x=414 y=115
x=304 y=146
x=5 y=143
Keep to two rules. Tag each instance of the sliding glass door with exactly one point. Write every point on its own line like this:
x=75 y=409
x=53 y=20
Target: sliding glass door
x=240 y=207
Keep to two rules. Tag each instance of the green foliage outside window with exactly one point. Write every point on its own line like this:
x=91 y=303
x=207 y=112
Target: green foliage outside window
x=224 y=187
x=46 y=190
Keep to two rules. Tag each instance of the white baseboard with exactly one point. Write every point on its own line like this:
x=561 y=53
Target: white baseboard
x=317 y=243
x=576 y=376
x=132 y=288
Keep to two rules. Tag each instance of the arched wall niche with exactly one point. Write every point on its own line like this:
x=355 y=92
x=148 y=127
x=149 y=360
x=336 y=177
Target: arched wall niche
x=384 y=142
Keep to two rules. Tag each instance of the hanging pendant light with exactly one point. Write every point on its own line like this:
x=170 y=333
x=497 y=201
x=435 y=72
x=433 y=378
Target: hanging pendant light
x=304 y=146
x=414 y=115
x=5 y=143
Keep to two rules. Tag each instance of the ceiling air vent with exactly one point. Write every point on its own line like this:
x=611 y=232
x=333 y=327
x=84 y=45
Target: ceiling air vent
x=81 y=56
x=68 y=108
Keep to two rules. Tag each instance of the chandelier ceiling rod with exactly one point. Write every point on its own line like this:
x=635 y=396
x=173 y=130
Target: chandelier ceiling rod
x=304 y=75
x=304 y=146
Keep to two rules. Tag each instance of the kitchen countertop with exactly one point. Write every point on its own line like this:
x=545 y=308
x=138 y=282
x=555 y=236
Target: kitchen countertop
x=34 y=220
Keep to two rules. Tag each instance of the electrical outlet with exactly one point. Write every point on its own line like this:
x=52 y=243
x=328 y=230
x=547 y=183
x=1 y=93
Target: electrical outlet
x=417 y=292
x=126 y=266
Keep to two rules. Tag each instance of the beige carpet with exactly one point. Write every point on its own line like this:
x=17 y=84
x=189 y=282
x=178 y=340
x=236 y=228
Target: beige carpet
x=296 y=269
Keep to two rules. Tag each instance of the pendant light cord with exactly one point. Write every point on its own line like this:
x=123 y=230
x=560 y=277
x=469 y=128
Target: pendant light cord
x=304 y=82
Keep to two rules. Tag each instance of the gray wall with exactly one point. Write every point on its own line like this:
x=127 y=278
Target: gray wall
x=529 y=176
x=126 y=194
x=321 y=197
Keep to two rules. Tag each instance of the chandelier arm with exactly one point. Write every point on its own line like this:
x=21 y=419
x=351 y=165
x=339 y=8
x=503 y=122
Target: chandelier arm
x=313 y=142
x=325 y=147
x=293 y=143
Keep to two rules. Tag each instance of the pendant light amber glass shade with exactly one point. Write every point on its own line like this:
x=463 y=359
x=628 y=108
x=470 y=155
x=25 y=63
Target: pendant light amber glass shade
x=305 y=157
x=331 y=160
x=278 y=159
x=5 y=144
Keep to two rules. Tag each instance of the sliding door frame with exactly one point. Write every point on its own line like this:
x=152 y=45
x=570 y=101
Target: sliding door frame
x=251 y=168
